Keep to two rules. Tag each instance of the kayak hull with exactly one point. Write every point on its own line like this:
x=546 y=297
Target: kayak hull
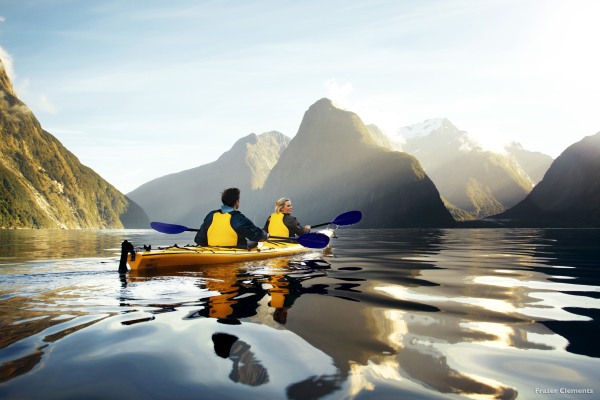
x=193 y=255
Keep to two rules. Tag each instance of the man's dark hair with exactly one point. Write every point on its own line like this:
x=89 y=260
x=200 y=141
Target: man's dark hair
x=230 y=196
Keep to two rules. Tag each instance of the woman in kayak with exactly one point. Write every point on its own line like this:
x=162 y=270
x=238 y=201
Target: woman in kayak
x=282 y=223
x=227 y=226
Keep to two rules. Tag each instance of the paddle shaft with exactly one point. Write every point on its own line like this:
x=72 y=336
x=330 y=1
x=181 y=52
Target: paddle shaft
x=312 y=240
x=319 y=225
x=347 y=218
x=270 y=236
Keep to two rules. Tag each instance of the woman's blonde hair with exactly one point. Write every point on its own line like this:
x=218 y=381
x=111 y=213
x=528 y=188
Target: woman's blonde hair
x=280 y=203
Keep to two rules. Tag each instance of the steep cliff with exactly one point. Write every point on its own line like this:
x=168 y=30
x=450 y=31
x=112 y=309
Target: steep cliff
x=474 y=182
x=534 y=163
x=44 y=185
x=334 y=164
x=569 y=194
x=185 y=197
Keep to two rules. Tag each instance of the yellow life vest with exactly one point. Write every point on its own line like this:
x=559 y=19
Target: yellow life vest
x=276 y=225
x=279 y=291
x=220 y=232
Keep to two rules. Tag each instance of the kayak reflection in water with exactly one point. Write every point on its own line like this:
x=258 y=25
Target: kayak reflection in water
x=246 y=368
x=239 y=295
x=282 y=223
x=284 y=291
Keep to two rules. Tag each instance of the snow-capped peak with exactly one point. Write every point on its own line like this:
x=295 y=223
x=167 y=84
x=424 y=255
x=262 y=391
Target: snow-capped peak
x=421 y=129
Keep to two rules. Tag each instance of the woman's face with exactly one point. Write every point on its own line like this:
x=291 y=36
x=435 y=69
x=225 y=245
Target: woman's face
x=287 y=207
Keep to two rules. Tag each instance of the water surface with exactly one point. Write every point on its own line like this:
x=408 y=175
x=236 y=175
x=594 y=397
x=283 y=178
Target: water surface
x=418 y=314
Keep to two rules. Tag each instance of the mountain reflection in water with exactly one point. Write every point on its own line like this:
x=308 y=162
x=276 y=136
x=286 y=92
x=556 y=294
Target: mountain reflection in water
x=490 y=313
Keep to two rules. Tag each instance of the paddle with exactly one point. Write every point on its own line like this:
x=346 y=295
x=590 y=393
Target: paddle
x=347 y=218
x=170 y=228
x=311 y=240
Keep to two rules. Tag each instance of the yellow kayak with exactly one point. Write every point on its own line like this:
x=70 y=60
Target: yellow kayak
x=196 y=255
x=193 y=255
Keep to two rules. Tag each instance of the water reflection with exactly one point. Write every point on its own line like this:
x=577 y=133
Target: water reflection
x=20 y=366
x=577 y=264
x=242 y=295
x=400 y=314
x=232 y=293
x=468 y=283
x=45 y=244
x=246 y=368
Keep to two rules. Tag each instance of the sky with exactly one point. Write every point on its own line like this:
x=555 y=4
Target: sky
x=142 y=89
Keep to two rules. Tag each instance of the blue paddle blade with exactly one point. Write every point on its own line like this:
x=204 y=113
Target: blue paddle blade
x=313 y=240
x=168 y=228
x=347 y=218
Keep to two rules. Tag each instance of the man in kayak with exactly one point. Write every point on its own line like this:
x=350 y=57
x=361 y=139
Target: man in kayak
x=282 y=223
x=227 y=226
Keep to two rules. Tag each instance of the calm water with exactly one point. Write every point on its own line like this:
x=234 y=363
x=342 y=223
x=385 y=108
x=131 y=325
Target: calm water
x=415 y=314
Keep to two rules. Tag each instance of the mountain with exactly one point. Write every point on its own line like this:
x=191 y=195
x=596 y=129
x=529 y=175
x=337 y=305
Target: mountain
x=44 y=185
x=569 y=194
x=534 y=163
x=473 y=182
x=185 y=197
x=381 y=139
x=424 y=129
x=335 y=164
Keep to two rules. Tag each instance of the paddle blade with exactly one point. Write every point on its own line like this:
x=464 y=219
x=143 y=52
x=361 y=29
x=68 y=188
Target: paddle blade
x=313 y=240
x=168 y=228
x=347 y=218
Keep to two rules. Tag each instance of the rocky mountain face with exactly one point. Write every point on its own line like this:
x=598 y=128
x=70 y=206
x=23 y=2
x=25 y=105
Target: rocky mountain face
x=185 y=197
x=569 y=193
x=335 y=164
x=383 y=140
x=535 y=164
x=473 y=182
x=44 y=185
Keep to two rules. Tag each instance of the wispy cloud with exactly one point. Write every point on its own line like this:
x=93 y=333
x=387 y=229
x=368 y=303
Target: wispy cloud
x=7 y=60
x=338 y=93
x=46 y=105
x=498 y=69
x=16 y=112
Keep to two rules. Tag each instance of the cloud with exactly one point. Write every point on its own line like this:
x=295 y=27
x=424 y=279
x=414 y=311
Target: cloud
x=7 y=60
x=42 y=102
x=338 y=94
x=2 y=19
x=16 y=112
x=46 y=105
